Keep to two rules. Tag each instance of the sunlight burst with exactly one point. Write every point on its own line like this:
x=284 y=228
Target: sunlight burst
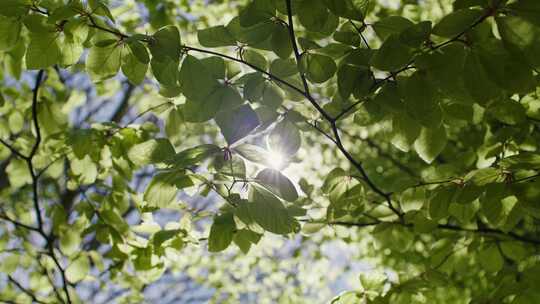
x=275 y=159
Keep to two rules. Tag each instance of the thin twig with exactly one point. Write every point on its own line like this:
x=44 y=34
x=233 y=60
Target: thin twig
x=24 y=290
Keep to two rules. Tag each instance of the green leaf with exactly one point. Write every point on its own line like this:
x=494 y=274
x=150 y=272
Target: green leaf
x=285 y=138
x=70 y=241
x=10 y=32
x=508 y=111
x=43 y=51
x=237 y=123
x=14 y=8
x=528 y=9
x=272 y=96
x=216 y=66
x=254 y=85
x=166 y=73
x=254 y=154
x=152 y=151
x=257 y=11
x=221 y=98
x=505 y=70
x=405 y=131
x=281 y=41
x=221 y=232
x=196 y=80
x=18 y=174
x=278 y=184
x=491 y=202
x=521 y=37
x=231 y=166
x=85 y=169
x=104 y=62
x=194 y=156
x=392 y=54
x=457 y=22
x=350 y=9
x=414 y=36
x=78 y=269
x=312 y=15
x=251 y=35
x=165 y=44
x=245 y=238
x=476 y=80
x=523 y=160
x=421 y=101
x=72 y=49
x=161 y=191
x=318 y=68
x=216 y=36
x=347 y=34
x=135 y=62
x=368 y=113
x=391 y=25
x=514 y=250
x=389 y=99
x=255 y=58
x=484 y=176
x=430 y=143
x=490 y=258
x=283 y=67
x=349 y=297
x=354 y=79
x=444 y=69
x=165 y=47
x=267 y=211
x=439 y=201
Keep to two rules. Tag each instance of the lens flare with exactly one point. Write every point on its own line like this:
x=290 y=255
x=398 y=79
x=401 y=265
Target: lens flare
x=276 y=159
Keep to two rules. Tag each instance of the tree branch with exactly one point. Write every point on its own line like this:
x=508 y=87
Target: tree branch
x=35 y=147
x=18 y=224
x=24 y=290
x=124 y=104
x=12 y=149
x=297 y=55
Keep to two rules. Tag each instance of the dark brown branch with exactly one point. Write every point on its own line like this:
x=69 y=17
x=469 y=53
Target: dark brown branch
x=486 y=230
x=12 y=149
x=481 y=230
x=18 y=224
x=332 y=121
x=35 y=181
x=35 y=147
x=489 y=12
x=94 y=24
x=271 y=76
x=124 y=104
x=25 y=291
x=298 y=58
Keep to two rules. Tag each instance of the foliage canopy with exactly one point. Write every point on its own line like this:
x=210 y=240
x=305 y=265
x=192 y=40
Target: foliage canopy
x=145 y=138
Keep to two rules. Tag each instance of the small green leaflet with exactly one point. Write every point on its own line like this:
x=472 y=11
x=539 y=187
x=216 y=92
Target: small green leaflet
x=285 y=138
x=268 y=211
x=237 y=123
x=430 y=143
x=78 y=269
x=216 y=36
x=278 y=184
x=318 y=68
x=221 y=232
x=151 y=152
x=44 y=51
x=161 y=191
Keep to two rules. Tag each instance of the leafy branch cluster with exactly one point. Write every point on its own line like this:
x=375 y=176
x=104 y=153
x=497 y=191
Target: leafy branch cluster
x=462 y=93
